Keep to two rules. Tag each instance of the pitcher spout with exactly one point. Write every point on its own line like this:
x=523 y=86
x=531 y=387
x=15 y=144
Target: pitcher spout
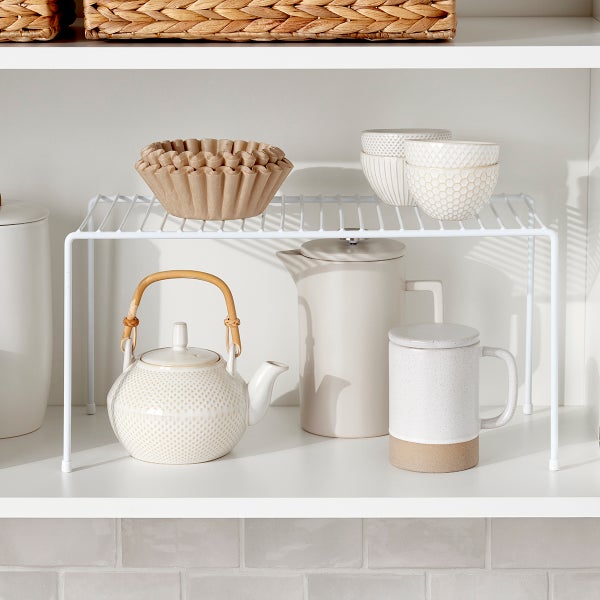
x=260 y=389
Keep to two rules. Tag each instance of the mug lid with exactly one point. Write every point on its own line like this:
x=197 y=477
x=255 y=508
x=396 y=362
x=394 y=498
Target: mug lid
x=434 y=335
x=353 y=249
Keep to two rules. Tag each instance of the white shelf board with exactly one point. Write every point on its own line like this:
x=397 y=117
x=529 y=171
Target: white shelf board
x=278 y=470
x=481 y=42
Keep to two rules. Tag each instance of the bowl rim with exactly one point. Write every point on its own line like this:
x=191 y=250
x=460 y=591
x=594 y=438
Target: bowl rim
x=403 y=132
x=363 y=153
x=447 y=143
x=453 y=169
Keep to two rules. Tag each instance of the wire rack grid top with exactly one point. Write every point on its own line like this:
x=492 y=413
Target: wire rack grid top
x=122 y=216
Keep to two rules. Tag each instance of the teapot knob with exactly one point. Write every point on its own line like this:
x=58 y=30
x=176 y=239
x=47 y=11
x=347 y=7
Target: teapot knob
x=180 y=336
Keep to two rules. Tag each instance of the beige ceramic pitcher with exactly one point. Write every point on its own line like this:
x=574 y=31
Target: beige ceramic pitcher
x=350 y=294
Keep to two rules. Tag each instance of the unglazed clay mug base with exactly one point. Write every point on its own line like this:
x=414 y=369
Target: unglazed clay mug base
x=434 y=458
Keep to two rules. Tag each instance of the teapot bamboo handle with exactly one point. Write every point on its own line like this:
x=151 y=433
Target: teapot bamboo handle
x=131 y=321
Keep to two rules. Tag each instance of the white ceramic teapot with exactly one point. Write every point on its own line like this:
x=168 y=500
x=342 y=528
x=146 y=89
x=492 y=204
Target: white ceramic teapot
x=183 y=405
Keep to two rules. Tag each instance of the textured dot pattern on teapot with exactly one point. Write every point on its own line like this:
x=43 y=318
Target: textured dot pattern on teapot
x=178 y=417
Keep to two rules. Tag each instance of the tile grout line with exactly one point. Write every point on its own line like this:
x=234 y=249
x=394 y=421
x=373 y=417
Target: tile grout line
x=365 y=548
x=60 y=585
x=242 y=541
x=488 y=544
x=118 y=543
x=305 y=585
x=549 y=585
x=427 y=585
x=183 y=578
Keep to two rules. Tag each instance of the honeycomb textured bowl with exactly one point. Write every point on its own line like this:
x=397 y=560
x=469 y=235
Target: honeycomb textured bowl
x=451 y=154
x=387 y=176
x=390 y=142
x=451 y=194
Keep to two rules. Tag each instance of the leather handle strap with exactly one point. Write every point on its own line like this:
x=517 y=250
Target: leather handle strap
x=131 y=322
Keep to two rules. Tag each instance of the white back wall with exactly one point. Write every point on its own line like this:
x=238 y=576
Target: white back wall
x=85 y=131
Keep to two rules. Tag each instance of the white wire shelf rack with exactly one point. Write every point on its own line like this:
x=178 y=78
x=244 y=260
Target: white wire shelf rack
x=306 y=216
x=122 y=217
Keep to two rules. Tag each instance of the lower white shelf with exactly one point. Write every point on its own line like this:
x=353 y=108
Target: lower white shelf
x=278 y=470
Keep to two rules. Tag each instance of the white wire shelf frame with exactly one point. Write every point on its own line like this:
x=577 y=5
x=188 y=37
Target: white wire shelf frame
x=122 y=217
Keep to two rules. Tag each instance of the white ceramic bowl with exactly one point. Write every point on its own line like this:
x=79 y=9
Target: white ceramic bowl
x=386 y=175
x=451 y=194
x=390 y=142
x=451 y=154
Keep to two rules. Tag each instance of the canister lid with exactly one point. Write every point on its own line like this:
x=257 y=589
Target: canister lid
x=434 y=335
x=18 y=213
x=353 y=249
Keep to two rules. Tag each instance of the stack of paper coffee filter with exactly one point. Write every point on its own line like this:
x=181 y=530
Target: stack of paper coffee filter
x=213 y=179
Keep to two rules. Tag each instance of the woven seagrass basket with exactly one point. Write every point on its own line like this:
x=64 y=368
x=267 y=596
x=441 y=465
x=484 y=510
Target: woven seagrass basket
x=31 y=20
x=264 y=20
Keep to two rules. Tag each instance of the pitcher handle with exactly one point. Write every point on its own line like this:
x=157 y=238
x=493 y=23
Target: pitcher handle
x=436 y=288
x=506 y=415
x=130 y=322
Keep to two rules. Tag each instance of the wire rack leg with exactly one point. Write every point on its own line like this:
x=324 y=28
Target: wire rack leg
x=528 y=405
x=91 y=402
x=554 y=316
x=68 y=355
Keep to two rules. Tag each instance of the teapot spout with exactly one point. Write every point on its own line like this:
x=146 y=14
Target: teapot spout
x=260 y=389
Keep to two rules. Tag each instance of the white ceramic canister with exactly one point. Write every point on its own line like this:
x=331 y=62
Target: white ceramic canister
x=434 y=396
x=25 y=318
x=350 y=293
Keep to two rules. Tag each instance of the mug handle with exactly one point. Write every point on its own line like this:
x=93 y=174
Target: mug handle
x=506 y=415
x=435 y=287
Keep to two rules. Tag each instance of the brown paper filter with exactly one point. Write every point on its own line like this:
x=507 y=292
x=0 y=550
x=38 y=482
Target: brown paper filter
x=213 y=179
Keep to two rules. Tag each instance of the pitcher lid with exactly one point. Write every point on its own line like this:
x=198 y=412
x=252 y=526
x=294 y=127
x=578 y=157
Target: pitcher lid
x=179 y=355
x=353 y=249
x=434 y=335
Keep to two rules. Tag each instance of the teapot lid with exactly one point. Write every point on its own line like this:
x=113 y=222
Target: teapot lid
x=179 y=355
x=434 y=335
x=353 y=249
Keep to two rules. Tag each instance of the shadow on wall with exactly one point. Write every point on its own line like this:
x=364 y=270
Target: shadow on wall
x=593 y=244
x=592 y=377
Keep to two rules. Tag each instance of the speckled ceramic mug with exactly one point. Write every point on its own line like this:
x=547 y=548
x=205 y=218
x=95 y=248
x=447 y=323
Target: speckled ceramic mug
x=434 y=396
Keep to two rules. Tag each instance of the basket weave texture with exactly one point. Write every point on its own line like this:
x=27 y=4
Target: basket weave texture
x=29 y=20
x=246 y=20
